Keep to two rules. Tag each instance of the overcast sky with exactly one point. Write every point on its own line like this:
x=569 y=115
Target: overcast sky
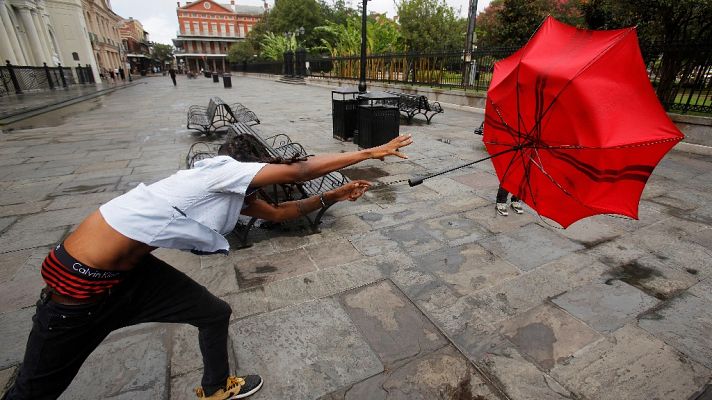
x=160 y=21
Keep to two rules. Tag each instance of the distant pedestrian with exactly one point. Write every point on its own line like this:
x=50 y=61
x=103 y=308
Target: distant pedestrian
x=111 y=73
x=122 y=74
x=172 y=72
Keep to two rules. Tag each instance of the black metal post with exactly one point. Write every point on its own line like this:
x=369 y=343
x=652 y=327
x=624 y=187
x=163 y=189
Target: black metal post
x=80 y=73
x=13 y=78
x=49 y=77
x=61 y=75
x=90 y=74
x=362 y=73
x=469 y=39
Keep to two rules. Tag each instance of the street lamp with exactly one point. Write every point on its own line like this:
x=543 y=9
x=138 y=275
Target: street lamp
x=467 y=74
x=362 y=72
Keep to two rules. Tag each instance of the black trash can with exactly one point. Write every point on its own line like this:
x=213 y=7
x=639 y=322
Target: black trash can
x=378 y=119
x=216 y=77
x=206 y=74
x=344 y=112
x=227 y=81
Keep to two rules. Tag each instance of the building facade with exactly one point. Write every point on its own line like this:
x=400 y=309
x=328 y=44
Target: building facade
x=136 y=45
x=103 y=28
x=27 y=36
x=206 y=31
x=69 y=28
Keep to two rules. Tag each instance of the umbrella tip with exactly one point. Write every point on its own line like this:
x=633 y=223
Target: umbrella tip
x=415 y=181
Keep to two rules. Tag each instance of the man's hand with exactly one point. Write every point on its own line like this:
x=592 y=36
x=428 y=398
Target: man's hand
x=350 y=191
x=391 y=148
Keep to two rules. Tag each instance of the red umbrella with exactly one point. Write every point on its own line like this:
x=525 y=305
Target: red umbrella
x=577 y=121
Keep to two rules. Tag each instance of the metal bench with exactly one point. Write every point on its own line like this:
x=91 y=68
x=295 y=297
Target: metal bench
x=279 y=145
x=411 y=105
x=218 y=114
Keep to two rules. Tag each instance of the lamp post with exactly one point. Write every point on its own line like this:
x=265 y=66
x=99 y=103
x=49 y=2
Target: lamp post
x=362 y=72
x=471 y=19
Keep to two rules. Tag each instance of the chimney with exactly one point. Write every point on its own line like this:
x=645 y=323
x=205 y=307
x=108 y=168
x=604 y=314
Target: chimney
x=232 y=2
x=178 y=3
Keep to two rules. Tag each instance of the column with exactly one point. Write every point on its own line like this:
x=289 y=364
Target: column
x=42 y=34
x=12 y=36
x=5 y=46
x=223 y=65
x=35 y=44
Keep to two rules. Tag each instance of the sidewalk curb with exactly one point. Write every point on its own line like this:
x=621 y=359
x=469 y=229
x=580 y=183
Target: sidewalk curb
x=11 y=119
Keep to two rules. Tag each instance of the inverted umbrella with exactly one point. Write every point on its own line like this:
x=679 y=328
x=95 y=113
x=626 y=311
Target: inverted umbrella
x=573 y=124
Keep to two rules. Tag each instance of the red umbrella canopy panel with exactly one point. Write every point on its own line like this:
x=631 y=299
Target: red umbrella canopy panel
x=579 y=116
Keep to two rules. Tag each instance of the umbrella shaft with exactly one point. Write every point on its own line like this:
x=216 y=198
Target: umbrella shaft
x=417 y=181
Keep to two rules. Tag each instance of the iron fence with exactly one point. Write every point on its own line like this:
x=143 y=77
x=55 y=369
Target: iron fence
x=16 y=79
x=682 y=75
x=447 y=69
x=272 y=68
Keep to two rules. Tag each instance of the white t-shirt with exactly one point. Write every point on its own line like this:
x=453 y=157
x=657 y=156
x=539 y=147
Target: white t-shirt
x=190 y=210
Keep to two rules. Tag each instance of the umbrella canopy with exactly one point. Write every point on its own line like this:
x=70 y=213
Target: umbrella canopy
x=578 y=121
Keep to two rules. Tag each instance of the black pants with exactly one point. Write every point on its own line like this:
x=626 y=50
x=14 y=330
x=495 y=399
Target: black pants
x=502 y=195
x=63 y=336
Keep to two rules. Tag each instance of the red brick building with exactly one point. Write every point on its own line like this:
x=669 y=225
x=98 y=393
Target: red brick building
x=135 y=42
x=207 y=29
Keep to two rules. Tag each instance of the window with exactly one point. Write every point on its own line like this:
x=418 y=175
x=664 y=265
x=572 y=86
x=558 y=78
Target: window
x=186 y=27
x=75 y=56
x=205 y=28
x=222 y=29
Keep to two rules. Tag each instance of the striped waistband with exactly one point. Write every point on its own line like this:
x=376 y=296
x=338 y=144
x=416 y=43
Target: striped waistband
x=69 y=277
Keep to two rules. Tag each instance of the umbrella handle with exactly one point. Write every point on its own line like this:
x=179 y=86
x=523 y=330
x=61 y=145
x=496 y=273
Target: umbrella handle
x=415 y=181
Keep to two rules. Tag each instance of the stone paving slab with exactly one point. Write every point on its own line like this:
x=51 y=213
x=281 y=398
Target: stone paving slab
x=628 y=366
x=605 y=307
x=306 y=351
x=138 y=368
x=392 y=326
x=530 y=246
x=14 y=328
x=548 y=335
x=684 y=323
x=443 y=374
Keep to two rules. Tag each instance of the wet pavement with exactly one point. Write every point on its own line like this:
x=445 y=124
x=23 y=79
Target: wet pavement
x=409 y=293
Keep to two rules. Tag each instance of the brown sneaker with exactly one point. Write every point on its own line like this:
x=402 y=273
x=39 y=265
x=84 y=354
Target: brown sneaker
x=235 y=388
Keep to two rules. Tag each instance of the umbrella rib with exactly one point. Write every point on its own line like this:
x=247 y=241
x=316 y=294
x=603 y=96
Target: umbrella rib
x=581 y=71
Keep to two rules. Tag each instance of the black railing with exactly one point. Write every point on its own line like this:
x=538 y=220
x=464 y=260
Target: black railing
x=682 y=75
x=447 y=69
x=271 y=67
x=16 y=79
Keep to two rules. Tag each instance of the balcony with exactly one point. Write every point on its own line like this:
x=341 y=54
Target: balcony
x=202 y=34
x=198 y=53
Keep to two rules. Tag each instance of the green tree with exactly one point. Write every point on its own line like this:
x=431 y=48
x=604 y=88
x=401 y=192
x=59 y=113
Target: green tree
x=274 y=46
x=678 y=27
x=242 y=51
x=430 y=25
x=160 y=53
x=382 y=36
x=290 y=15
x=513 y=22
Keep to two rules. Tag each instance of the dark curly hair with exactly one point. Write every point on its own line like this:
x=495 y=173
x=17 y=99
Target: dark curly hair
x=247 y=148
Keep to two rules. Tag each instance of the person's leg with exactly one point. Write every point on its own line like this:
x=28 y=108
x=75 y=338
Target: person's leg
x=501 y=204
x=163 y=294
x=502 y=194
x=61 y=339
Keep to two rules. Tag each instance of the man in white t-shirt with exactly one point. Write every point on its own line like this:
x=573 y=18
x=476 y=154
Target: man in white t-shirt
x=103 y=276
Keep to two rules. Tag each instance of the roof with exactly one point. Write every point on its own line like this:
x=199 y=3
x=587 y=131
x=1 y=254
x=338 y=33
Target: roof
x=248 y=10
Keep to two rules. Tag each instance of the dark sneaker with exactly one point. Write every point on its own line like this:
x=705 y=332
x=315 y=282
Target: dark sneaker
x=235 y=388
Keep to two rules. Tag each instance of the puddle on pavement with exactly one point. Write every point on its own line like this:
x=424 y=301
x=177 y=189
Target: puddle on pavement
x=367 y=173
x=636 y=275
x=56 y=117
x=382 y=194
